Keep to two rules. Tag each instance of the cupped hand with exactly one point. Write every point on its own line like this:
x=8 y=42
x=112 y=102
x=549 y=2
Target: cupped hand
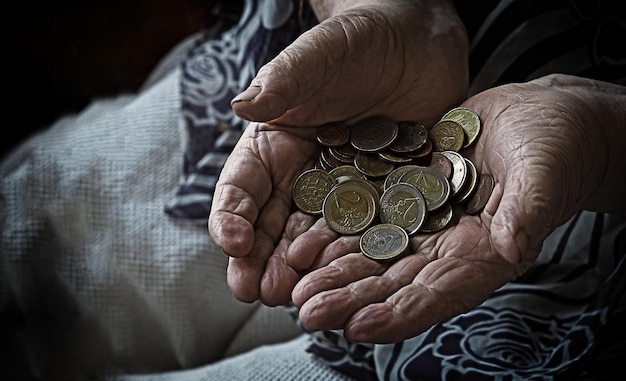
x=252 y=203
x=404 y=59
x=540 y=145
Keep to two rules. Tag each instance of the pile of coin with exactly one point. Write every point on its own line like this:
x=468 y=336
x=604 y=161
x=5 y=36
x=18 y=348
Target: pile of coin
x=389 y=180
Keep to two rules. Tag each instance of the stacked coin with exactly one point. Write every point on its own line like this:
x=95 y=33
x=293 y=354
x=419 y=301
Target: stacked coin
x=390 y=180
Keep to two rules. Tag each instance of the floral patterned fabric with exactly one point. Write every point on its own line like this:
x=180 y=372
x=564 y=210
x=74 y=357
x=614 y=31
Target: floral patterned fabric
x=218 y=67
x=544 y=325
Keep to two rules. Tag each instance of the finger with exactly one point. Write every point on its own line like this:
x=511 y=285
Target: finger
x=245 y=273
x=278 y=281
x=307 y=246
x=333 y=308
x=338 y=273
x=280 y=276
x=242 y=187
x=326 y=75
x=294 y=76
x=243 y=276
x=336 y=249
x=441 y=290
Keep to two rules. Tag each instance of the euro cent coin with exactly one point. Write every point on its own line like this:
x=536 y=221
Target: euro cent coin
x=481 y=195
x=447 y=135
x=374 y=134
x=469 y=121
x=334 y=134
x=310 y=189
x=384 y=242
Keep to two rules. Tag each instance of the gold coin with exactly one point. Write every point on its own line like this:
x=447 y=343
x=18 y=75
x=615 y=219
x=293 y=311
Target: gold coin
x=432 y=184
x=372 y=165
x=469 y=121
x=438 y=219
x=384 y=242
x=350 y=208
x=447 y=135
x=404 y=205
x=310 y=189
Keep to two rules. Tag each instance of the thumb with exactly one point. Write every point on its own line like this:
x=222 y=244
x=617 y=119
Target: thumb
x=324 y=75
x=291 y=79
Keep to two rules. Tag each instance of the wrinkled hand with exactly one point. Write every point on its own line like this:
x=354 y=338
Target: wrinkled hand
x=251 y=203
x=404 y=59
x=539 y=143
x=377 y=59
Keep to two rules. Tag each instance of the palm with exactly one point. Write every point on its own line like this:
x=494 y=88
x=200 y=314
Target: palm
x=453 y=270
x=253 y=201
x=375 y=60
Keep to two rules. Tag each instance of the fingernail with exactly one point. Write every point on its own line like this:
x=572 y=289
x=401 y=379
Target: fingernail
x=247 y=95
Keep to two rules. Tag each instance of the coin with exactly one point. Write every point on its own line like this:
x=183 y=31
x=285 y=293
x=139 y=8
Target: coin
x=370 y=186
x=394 y=176
x=447 y=135
x=404 y=205
x=349 y=208
x=346 y=172
x=329 y=160
x=437 y=220
x=434 y=186
x=469 y=121
x=459 y=171
x=374 y=134
x=372 y=165
x=394 y=158
x=479 y=199
x=384 y=242
x=346 y=152
x=470 y=183
x=339 y=156
x=441 y=163
x=411 y=137
x=423 y=152
x=310 y=190
x=334 y=134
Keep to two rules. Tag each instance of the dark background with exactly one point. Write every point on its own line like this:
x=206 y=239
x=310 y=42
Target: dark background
x=61 y=55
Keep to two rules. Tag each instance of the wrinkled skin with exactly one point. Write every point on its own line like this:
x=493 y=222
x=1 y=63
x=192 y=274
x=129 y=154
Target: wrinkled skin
x=538 y=146
x=374 y=58
x=328 y=74
x=542 y=143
